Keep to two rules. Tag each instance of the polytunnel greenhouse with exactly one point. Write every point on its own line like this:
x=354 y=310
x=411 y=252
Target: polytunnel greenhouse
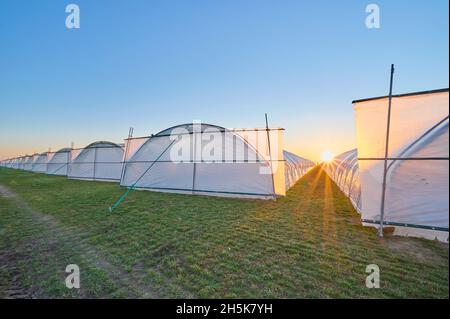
x=407 y=189
x=19 y=163
x=28 y=162
x=295 y=168
x=40 y=163
x=15 y=163
x=5 y=163
x=59 y=162
x=344 y=171
x=211 y=160
x=98 y=161
x=9 y=163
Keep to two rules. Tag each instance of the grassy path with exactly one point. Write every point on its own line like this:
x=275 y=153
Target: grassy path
x=307 y=245
x=53 y=234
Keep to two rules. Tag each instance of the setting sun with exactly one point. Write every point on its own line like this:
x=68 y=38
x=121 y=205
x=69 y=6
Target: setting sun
x=327 y=156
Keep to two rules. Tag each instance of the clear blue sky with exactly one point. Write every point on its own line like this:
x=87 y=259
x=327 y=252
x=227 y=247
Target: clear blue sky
x=154 y=64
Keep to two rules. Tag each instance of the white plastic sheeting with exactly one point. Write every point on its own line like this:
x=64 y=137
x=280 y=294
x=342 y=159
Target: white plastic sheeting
x=21 y=163
x=344 y=171
x=295 y=168
x=17 y=163
x=59 y=162
x=40 y=163
x=207 y=159
x=14 y=163
x=28 y=162
x=6 y=163
x=218 y=161
x=417 y=176
x=98 y=161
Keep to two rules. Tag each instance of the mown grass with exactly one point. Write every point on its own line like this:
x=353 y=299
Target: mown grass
x=307 y=245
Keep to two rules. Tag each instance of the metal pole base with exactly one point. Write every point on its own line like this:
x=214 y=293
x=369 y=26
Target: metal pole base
x=380 y=232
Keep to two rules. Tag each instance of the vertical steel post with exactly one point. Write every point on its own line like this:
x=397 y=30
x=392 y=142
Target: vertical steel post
x=194 y=168
x=270 y=154
x=194 y=142
x=386 y=155
x=95 y=159
x=69 y=159
x=125 y=156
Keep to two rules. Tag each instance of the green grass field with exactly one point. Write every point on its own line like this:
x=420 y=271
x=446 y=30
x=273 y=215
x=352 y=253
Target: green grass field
x=309 y=244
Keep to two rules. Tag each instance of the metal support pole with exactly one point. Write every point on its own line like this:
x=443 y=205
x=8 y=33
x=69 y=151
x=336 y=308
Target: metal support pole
x=125 y=157
x=95 y=160
x=386 y=155
x=270 y=154
x=194 y=169
x=145 y=172
x=69 y=157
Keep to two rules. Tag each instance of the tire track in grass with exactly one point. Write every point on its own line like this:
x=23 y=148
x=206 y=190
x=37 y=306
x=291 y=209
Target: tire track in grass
x=60 y=235
x=11 y=286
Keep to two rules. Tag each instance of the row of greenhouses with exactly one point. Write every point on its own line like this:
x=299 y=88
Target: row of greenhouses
x=97 y=161
x=397 y=176
x=400 y=180
x=189 y=158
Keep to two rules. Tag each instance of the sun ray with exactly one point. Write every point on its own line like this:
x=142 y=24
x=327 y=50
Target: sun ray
x=327 y=156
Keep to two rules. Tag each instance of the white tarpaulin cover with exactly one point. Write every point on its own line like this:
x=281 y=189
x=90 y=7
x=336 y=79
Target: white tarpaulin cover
x=40 y=163
x=59 y=162
x=28 y=163
x=98 y=161
x=417 y=176
x=344 y=171
x=207 y=159
x=295 y=168
x=12 y=163
x=19 y=164
x=6 y=163
x=16 y=163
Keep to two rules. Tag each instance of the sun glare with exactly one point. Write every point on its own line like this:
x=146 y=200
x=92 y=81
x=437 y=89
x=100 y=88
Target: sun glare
x=327 y=156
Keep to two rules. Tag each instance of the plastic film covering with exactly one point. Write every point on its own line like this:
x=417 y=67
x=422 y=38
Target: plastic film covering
x=40 y=163
x=295 y=168
x=417 y=188
x=207 y=159
x=28 y=162
x=59 y=162
x=98 y=161
x=344 y=171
